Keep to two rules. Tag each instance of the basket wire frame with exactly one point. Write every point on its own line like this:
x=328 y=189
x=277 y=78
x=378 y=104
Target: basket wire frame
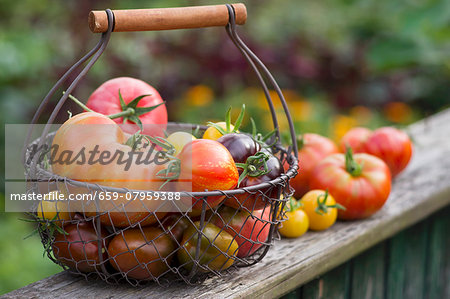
x=105 y=231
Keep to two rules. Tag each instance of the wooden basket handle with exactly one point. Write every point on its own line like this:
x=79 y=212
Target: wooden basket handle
x=166 y=18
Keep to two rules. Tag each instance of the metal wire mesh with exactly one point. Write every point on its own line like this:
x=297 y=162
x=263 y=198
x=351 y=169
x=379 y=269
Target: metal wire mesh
x=116 y=243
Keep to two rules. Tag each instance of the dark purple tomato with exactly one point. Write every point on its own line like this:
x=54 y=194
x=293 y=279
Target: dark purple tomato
x=257 y=200
x=241 y=146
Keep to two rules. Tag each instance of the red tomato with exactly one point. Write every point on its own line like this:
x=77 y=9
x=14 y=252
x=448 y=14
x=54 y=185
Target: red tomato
x=355 y=138
x=312 y=149
x=79 y=249
x=105 y=100
x=88 y=132
x=207 y=165
x=392 y=146
x=360 y=182
x=249 y=230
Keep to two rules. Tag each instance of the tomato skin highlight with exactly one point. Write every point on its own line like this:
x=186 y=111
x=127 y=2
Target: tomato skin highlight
x=206 y=165
x=362 y=195
x=392 y=146
x=141 y=254
x=240 y=146
x=313 y=148
x=105 y=100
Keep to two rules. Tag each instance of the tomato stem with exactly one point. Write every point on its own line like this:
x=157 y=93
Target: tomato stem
x=322 y=207
x=352 y=167
x=254 y=166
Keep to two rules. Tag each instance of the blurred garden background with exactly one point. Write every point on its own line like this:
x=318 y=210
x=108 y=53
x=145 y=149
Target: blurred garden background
x=340 y=63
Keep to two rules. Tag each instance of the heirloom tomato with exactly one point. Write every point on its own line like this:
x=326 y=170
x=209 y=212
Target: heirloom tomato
x=313 y=148
x=360 y=182
x=321 y=209
x=79 y=248
x=206 y=165
x=241 y=146
x=355 y=138
x=92 y=135
x=392 y=146
x=106 y=100
x=250 y=230
x=260 y=168
x=53 y=209
x=179 y=139
x=141 y=253
x=297 y=221
x=217 y=248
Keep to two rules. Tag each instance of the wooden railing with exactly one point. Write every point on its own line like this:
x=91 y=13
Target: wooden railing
x=422 y=189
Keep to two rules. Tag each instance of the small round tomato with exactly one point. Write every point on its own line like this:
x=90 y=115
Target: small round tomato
x=217 y=248
x=392 y=146
x=355 y=138
x=51 y=208
x=106 y=100
x=179 y=140
x=141 y=253
x=360 y=182
x=206 y=165
x=250 y=230
x=321 y=209
x=297 y=221
x=313 y=148
x=79 y=247
x=241 y=146
x=214 y=134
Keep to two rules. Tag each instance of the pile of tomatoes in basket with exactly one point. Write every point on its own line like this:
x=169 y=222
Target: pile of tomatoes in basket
x=124 y=119
x=349 y=181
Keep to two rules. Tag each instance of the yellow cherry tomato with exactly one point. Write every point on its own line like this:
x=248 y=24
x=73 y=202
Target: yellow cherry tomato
x=179 y=140
x=297 y=223
x=50 y=208
x=321 y=209
x=213 y=134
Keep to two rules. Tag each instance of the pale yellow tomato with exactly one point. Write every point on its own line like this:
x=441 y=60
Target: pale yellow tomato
x=51 y=208
x=179 y=140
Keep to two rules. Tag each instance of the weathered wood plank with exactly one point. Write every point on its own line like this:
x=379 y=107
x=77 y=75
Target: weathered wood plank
x=422 y=189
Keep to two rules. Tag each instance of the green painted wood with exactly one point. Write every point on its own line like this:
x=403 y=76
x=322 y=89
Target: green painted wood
x=407 y=262
x=368 y=273
x=334 y=284
x=438 y=257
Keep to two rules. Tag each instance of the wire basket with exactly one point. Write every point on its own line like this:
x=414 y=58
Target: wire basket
x=114 y=244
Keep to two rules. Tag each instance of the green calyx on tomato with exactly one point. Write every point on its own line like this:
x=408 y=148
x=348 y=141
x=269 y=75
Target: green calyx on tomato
x=262 y=139
x=130 y=112
x=228 y=127
x=292 y=205
x=351 y=165
x=322 y=207
x=255 y=166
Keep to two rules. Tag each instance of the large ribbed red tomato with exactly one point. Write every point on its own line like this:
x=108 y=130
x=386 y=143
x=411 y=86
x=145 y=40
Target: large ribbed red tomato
x=360 y=182
x=105 y=99
x=355 y=138
x=76 y=141
x=313 y=148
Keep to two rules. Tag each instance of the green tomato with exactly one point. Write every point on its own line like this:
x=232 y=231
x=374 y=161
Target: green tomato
x=217 y=248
